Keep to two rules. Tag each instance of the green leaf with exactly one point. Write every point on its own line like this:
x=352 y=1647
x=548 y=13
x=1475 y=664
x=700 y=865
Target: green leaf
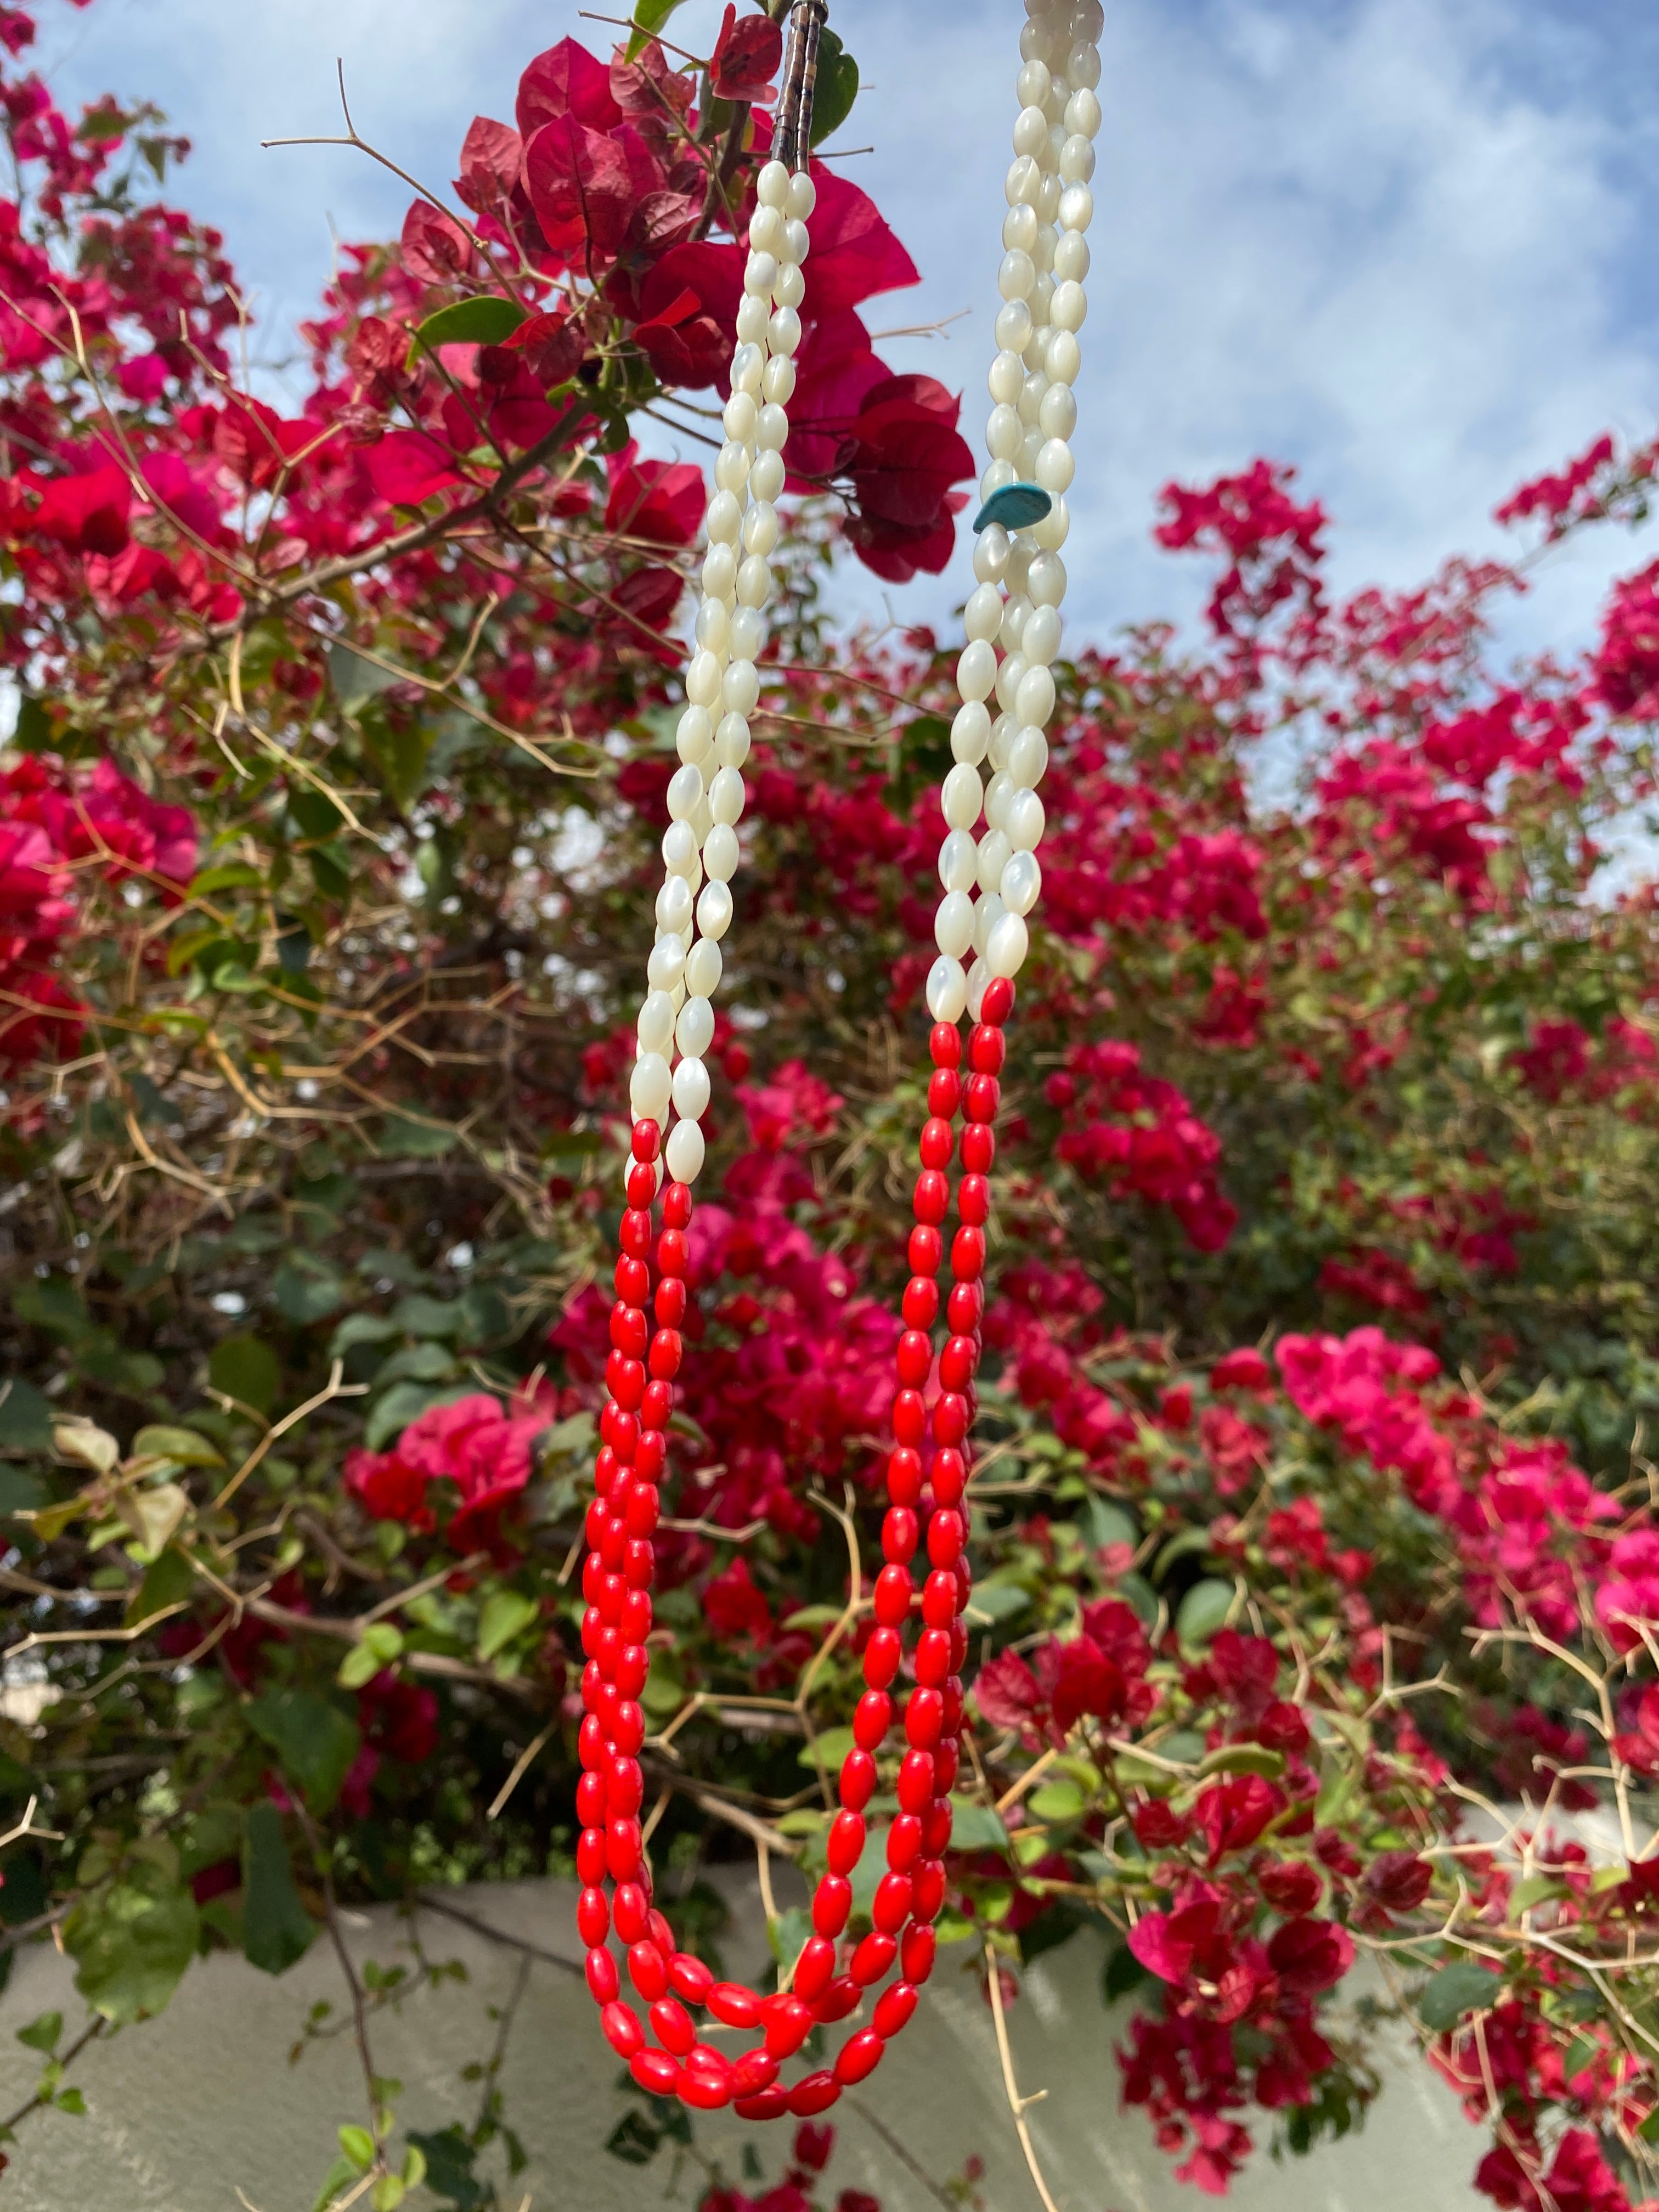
x=506 y=1614
x=277 y=1930
x=358 y=2145
x=42 y=2034
x=70 y=2101
x=1122 y=1973
x=380 y=1648
x=306 y=1289
x=665 y=1692
x=977 y=1828
x=188 y=1446
x=1057 y=1801
x=649 y=17
x=1203 y=1610
x=245 y=1369
x=234 y=875
x=21 y=1491
x=998 y=1600
x=836 y=89
x=1533 y=1891
x=353 y=680
x=416 y=1363
x=404 y=1138
x=339 y=2178
x=404 y=1403
x=360 y=1328
x=1107 y=1523
x=1244 y=1759
x=132 y=1939
x=828 y=1751
x=315 y=1742
x=1464 y=1986
x=26 y=1416
x=487 y=320
x=168 y=1582
x=449 y=2161
x=397 y=751
x=424 y=1316
x=33 y=731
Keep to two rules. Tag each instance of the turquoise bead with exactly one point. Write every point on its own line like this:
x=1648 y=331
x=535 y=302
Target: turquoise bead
x=1016 y=507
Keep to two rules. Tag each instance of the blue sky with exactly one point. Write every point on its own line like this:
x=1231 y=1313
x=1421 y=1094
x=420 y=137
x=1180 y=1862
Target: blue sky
x=1402 y=243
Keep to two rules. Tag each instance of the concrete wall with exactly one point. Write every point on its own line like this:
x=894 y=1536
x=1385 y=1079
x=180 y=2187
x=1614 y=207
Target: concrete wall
x=186 y=2111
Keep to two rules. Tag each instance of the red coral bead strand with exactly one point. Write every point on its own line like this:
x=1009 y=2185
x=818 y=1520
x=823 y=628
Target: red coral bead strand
x=616 y=1580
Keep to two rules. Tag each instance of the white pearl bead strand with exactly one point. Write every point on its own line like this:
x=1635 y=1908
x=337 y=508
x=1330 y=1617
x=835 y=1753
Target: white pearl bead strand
x=1020 y=577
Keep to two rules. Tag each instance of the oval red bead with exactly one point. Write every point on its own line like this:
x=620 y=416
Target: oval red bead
x=815 y=1969
x=813 y=2095
x=621 y=2027
x=704 y=2089
x=874 y=1955
x=734 y=2004
x=894 y=2007
x=655 y=2071
x=672 y=2024
x=945 y=1045
x=858 y=2056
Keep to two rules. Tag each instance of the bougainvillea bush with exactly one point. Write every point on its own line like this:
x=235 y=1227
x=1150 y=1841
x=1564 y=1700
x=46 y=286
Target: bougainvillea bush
x=1315 y=1554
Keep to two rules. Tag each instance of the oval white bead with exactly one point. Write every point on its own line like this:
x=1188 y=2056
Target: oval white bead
x=1023 y=821
x=693 y=734
x=679 y=849
x=956 y=861
x=1028 y=759
x=947 y=990
x=1040 y=641
x=1022 y=880
x=1035 y=700
x=1047 y=581
x=747 y=634
x=970 y=733
x=684 y=1152
x=993 y=859
x=725 y=518
x=694 y=1032
x=674 y=905
x=685 y=789
x=732 y=741
x=720 y=853
x=754 y=582
x=977 y=671
x=692 y=1089
x=1006 y=950
x=741 y=688
x=766 y=478
x=1070 y=308
x=725 y=796
x=713 y=920
x=982 y=615
x=959 y=796
x=953 y=924
x=656 y=1022
x=702 y=969
x=648 y=1088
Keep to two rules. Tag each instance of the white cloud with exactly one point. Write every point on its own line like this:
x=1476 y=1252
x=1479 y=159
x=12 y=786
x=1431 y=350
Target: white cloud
x=1376 y=239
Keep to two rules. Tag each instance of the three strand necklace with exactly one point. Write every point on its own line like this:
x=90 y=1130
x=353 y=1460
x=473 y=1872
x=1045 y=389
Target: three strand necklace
x=990 y=879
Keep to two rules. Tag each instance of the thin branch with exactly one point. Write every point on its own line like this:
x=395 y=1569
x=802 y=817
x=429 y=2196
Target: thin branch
x=1016 y=2104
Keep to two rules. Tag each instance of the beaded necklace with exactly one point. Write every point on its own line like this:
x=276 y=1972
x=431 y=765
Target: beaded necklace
x=1020 y=581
